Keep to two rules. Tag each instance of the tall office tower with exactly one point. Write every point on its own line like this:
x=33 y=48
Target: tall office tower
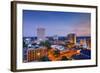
x=83 y=43
x=41 y=34
x=71 y=38
x=88 y=41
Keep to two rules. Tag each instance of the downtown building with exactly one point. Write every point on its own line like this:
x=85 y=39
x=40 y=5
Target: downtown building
x=86 y=43
x=41 y=34
x=71 y=41
x=36 y=54
x=71 y=38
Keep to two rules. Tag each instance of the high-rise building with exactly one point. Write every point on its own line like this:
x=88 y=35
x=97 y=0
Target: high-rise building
x=71 y=38
x=36 y=54
x=83 y=43
x=41 y=34
x=88 y=41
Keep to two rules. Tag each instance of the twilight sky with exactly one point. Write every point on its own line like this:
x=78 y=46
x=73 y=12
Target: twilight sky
x=56 y=23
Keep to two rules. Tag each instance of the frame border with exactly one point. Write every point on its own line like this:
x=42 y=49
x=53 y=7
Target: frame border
x=14 y=35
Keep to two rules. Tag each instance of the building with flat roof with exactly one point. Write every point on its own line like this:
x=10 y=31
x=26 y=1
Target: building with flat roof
x=71 y=38
x=36 y=54
x=41 y=34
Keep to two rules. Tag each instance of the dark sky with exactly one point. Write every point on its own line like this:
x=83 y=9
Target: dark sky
x=56 y=23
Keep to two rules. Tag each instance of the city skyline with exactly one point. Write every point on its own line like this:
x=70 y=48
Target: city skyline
x=56 y=23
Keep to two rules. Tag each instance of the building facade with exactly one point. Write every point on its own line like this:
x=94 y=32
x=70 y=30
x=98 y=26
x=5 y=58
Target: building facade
x=71 y=38
x=36 y=54
x=41 y=33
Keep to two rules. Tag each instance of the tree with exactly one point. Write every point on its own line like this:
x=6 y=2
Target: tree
x=24 y=44
x=64 y=58
x=56 y=53
x=45 y=58
x=46 y=44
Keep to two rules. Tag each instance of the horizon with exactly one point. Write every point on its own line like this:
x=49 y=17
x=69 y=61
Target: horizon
x=58 y=36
